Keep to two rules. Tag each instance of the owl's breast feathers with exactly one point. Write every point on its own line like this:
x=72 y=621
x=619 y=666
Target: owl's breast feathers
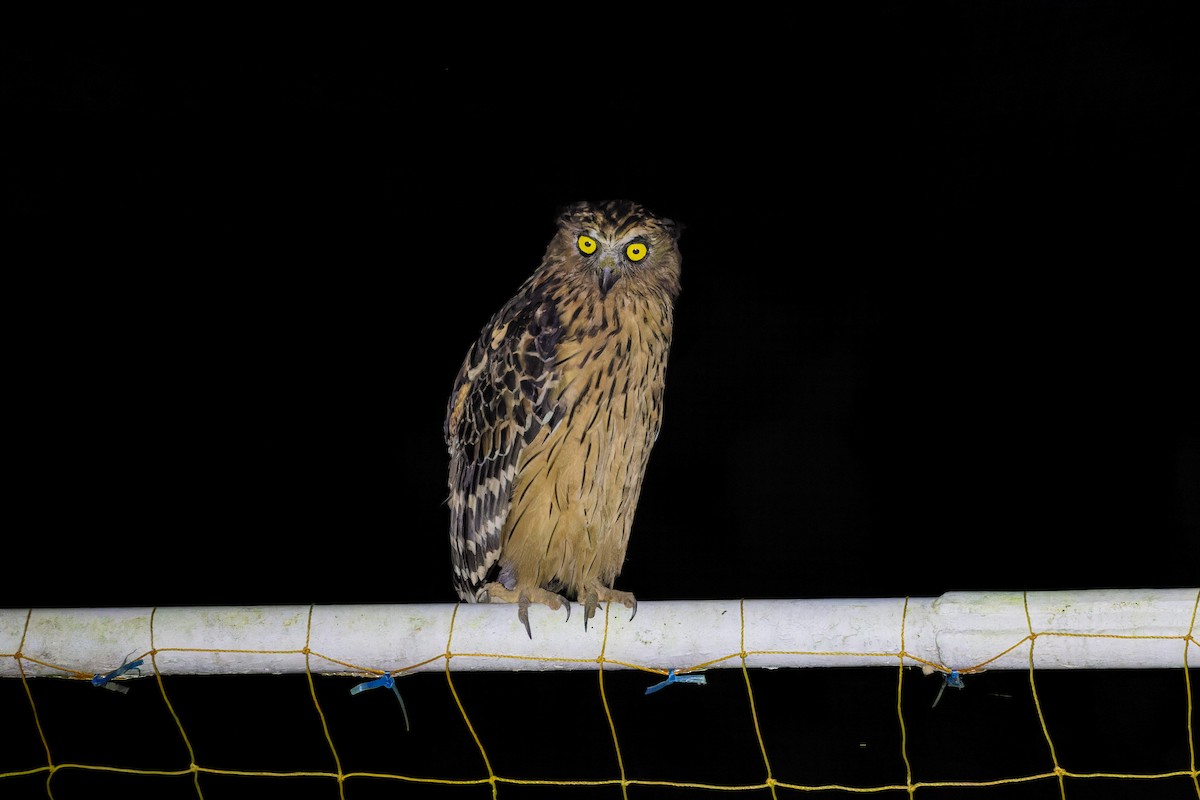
x=549 y=426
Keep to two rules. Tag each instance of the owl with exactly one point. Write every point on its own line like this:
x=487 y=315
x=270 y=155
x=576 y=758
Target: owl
x=555 y=410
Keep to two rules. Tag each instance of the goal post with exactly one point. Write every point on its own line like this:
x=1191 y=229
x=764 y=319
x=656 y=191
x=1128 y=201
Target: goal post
x=960 y=632
x=1089 y=688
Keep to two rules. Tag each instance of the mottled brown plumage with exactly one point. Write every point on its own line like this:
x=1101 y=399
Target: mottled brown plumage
x=555 y=410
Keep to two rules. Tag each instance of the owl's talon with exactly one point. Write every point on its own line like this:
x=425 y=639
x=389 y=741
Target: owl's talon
x=590 y=604
x=523 y=613
x=634 y=614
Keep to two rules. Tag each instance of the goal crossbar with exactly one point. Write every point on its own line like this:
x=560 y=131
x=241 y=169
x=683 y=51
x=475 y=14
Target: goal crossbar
x=959 y=631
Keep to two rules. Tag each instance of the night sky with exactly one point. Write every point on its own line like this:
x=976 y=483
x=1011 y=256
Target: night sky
x=933 y=333
x=933 y=336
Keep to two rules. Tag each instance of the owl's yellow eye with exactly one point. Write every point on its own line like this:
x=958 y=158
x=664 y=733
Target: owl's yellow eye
x=587 y=245
x=636 y=251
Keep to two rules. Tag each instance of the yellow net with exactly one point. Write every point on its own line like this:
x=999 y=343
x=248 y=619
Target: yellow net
x=613 y=729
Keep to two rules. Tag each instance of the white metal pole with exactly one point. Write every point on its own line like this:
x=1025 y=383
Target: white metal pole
x=1078 y=629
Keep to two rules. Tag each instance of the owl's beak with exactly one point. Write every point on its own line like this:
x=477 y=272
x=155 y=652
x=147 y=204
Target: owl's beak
x=607 y=279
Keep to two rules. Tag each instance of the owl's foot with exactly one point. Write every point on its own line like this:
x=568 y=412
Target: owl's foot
x=498 y=593
x=592 y=596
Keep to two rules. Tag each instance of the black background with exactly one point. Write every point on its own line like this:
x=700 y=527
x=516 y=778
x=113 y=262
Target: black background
x=937 y=329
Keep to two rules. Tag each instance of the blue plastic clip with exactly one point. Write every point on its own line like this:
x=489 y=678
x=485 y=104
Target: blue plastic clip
x=105 y=680
x=673 y=678
x=390 y=682
x=953 y=680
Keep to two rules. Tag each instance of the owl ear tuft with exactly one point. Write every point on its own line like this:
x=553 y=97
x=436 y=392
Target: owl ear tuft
x=569 y=209
x=675 y=229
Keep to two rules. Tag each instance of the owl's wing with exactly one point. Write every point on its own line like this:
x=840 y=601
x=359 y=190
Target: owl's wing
x=501 y=400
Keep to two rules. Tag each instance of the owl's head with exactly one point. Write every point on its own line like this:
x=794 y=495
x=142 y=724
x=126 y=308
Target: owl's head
x=620 y=245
